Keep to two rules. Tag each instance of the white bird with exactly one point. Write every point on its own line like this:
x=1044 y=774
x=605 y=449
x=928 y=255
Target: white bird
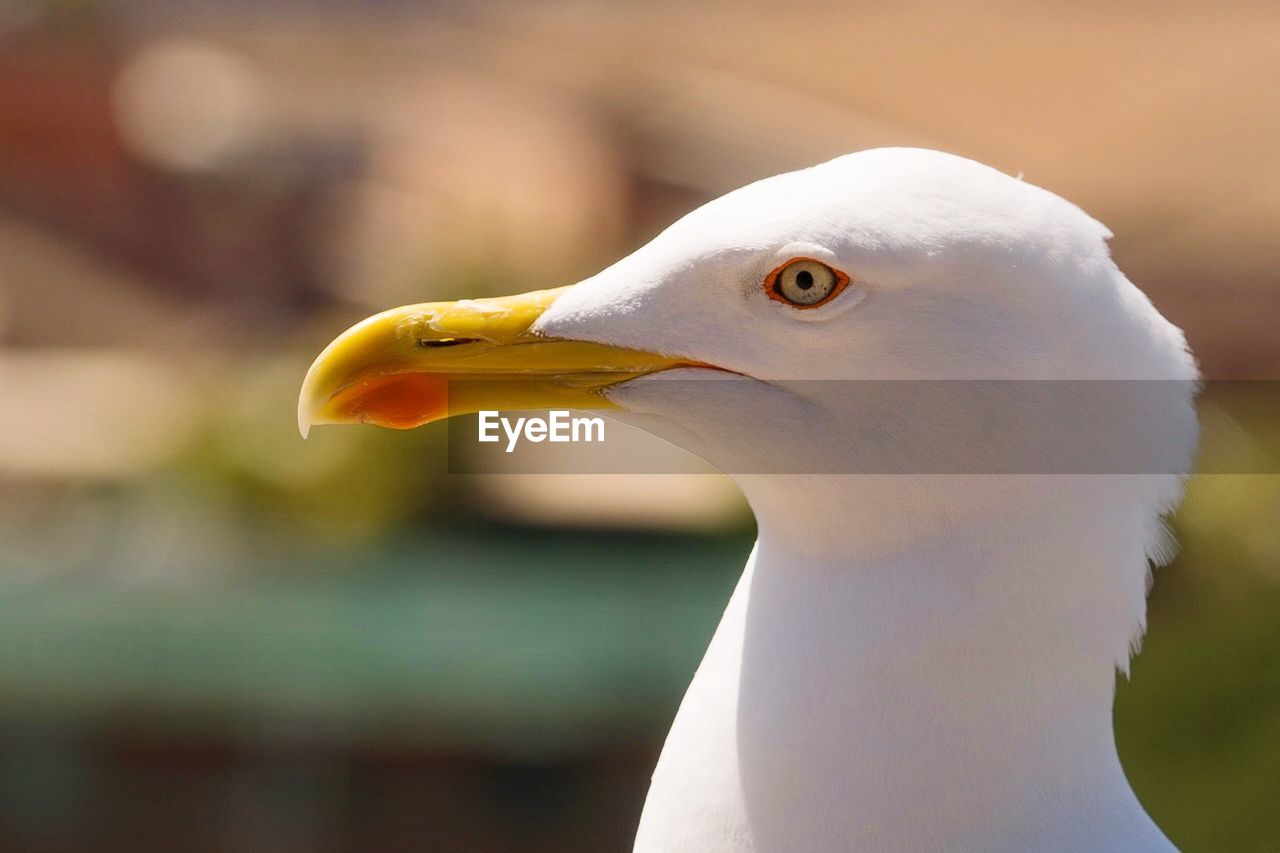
x=915 y=658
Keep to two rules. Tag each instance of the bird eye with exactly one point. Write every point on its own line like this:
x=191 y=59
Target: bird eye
x=805 y=283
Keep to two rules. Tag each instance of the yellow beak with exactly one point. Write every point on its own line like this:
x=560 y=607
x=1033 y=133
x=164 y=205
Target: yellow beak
x=421 y=363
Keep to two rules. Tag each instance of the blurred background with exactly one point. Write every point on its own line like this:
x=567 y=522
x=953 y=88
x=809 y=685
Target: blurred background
x=214 y=637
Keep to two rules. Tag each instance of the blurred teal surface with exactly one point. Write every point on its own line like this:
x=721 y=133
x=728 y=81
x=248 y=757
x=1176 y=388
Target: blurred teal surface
x=525 y=641
x=544 y=645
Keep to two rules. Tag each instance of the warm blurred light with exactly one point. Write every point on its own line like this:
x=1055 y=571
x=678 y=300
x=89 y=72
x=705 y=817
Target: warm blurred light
x=89 y=414
x=478 y=176
x=185 y=104
x=713 y=130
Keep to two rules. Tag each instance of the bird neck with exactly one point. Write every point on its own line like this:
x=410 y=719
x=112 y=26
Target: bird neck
x=947 y=686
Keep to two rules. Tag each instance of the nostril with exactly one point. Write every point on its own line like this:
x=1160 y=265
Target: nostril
x=444 y=342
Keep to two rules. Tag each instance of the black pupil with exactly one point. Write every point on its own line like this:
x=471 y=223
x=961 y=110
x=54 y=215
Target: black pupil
x=804 y=279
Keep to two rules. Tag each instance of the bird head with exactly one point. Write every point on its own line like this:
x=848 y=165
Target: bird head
x=776 y=329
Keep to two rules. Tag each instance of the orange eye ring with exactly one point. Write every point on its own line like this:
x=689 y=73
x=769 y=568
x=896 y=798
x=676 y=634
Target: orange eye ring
x=776 y=283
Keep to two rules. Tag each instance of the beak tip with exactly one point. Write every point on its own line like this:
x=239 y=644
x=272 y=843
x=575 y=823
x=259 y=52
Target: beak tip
x=306 y=414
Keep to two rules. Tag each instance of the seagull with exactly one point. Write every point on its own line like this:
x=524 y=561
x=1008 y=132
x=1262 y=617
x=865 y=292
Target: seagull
x=916 y=658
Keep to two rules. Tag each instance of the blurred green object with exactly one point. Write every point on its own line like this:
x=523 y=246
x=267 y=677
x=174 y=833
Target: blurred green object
x=500 y=641
x=1198 y=723
x=542 y=644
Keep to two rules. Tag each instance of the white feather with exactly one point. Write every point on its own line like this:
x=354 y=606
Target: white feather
x=912 y=661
